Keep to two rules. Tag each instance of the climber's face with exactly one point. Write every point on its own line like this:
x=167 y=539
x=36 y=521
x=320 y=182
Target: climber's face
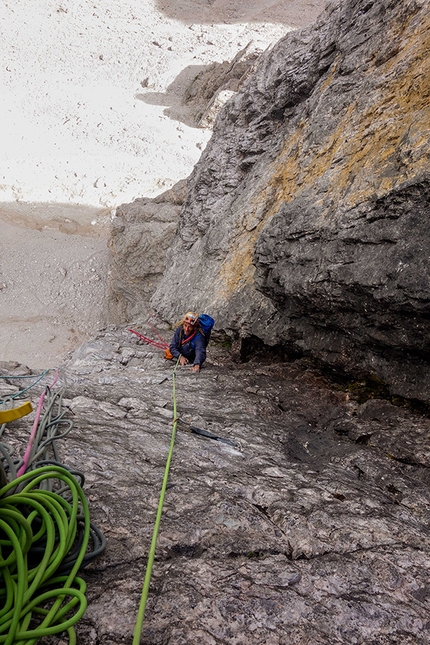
x=188 y=328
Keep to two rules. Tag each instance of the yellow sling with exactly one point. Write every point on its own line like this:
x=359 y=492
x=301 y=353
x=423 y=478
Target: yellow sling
x=15 y=413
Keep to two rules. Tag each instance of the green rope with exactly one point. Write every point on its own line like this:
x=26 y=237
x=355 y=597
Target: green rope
x=35 y=521
x=147 y=580
x=46 y=536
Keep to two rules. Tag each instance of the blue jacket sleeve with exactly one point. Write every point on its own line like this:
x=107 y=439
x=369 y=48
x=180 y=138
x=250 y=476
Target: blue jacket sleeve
x=200 y=349
x=174 y=345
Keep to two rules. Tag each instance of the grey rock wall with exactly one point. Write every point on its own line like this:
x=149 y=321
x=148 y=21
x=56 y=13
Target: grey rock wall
x=306 y=220
x=141 y=233
x=311 y=528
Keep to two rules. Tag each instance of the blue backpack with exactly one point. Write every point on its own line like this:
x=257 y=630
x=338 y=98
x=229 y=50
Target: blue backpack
x=206 y=324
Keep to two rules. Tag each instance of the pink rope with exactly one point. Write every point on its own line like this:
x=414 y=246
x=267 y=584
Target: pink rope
x=23 y=468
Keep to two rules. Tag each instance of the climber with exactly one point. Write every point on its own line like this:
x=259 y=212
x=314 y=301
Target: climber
x=189 y=343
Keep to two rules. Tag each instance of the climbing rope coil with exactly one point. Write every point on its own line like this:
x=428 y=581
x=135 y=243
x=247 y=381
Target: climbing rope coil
x=46 y=535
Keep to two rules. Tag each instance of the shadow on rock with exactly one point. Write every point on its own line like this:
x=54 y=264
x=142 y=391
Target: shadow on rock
x=174 y=99
x=293 y=13
x=198 y=93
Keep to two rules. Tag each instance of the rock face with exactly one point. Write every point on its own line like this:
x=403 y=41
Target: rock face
x=141 y=233
x=311 y=528
x=304 y=233
x=214 y=86
x=306 y=220
x=305 y=520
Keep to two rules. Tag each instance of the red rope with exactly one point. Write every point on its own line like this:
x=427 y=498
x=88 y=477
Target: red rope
x=157 y=334
x=149 y=341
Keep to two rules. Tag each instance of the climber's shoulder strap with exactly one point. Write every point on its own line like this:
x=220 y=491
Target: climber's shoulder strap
x=187 y=339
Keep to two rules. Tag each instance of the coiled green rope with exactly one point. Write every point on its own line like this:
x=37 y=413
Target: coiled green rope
x=38 y=528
